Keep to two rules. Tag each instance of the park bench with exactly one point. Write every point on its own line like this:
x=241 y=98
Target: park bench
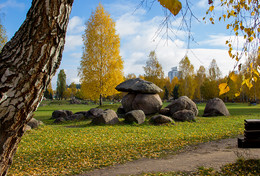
x=251 y=134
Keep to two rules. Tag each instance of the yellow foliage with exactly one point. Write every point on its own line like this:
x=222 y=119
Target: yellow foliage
x=101 y=65
x=223 y=88
x=233 y=77
x=173 y=5
x=3 y=37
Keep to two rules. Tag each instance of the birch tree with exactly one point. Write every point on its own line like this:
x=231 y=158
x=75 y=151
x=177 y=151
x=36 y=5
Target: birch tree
x=101 y=67
x=27 y=64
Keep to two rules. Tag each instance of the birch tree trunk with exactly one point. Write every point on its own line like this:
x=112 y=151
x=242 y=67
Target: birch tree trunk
x=27 y=64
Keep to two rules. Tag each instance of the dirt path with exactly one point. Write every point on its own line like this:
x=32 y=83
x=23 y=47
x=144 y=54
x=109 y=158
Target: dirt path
x=212 y=154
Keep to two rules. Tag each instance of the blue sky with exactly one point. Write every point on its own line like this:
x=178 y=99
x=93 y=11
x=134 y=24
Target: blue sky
x=137 y=28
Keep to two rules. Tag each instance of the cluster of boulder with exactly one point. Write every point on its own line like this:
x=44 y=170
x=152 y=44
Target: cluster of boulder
x=181 y=109
x=98 y=116
x=142 y=95
x=143 y=99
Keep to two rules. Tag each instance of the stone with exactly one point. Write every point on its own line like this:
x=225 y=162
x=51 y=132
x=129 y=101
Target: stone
x=148 y=103
x=108 y=117
x=33 y=123
x=59 y=120
x=215 y=107
x=75 y=101
x=95 y=112
x=138 y=85
x=86 y=114
x=61 y=113
x=160 y=119
x=75 y=117
x=183 y=103
x=165 y=111
x=127 y=101
x=184 y=115
x=27 y=128
x=120 y=110
x=136 y=116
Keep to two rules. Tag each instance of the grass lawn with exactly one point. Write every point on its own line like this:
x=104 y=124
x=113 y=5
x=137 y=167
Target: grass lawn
x=75 y=147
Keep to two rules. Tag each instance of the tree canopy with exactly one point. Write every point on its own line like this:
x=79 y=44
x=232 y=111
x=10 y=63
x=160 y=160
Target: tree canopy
x=3 y=37
x=61 y=84
x=101 y=67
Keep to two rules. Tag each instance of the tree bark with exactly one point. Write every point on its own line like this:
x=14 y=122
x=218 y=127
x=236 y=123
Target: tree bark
x=100 y=100
x=27 y=64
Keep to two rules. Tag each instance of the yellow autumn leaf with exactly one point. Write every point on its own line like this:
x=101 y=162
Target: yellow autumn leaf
x=223 y=88
x=256 y=72
x=233 y=76
x=211 y=8
x=237 y=94
x=248 y=83
x=173 y=5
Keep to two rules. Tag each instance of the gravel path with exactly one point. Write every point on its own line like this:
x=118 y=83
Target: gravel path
x=212 y=154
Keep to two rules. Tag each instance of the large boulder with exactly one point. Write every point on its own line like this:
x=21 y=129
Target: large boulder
x=127 y=101
x=136 y=116
x=183 y=103
x=148 y=103
x=165 y=111
x=107 y=117
x=75 y=101
x=75 y=117
x=215 y=107
x=33 y=123
x=138 y=85
x=160 y=119
x=184 y=115
x=61 y=113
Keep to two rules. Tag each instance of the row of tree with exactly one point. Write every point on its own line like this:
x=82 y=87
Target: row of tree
x=200 y=85
x=101 y=69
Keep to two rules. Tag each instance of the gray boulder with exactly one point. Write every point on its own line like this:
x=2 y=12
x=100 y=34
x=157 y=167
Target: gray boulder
x=33 y=123
x=183 y=103
x=148 y=103
x=184 y=115
x=165 y=111
x=121 y=110
x=75 y=101
x=95 y=112
x=27 y=128
x=59 y=120
x=75 y=117
x=61 y=113
x=160 y=119
x=215 y=107
x=136 y=116
x=107 y=117
x=84 y=113
x=127 y=101
x=138 y=85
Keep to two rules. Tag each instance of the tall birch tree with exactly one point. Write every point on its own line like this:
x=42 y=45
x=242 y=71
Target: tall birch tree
x=101 y=67
x=27 y=64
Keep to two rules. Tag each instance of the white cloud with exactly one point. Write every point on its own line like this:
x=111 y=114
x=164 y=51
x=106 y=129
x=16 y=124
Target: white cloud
x=202 y=3
x=76 y=25
x=12 y=4
x=73 y=42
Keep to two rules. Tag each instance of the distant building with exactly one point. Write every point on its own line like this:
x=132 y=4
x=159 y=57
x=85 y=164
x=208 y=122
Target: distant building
x=173 y=73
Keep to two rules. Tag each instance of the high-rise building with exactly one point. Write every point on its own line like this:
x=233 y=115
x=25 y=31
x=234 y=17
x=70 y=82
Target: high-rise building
x=173 y=73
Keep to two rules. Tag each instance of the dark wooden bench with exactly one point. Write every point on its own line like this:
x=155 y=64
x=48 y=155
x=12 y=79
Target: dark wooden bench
x=251 y=134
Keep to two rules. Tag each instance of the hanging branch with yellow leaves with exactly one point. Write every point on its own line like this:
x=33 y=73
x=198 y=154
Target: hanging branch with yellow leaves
x=243 y=20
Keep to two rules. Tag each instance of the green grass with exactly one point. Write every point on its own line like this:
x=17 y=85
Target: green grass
x=75 y=147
